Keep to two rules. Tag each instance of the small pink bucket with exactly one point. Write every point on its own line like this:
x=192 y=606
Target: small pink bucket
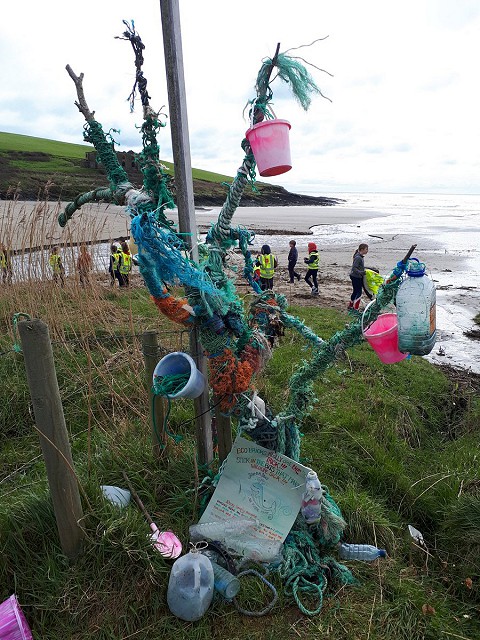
x=271 y=146
x=382 y=335
x=13 y=625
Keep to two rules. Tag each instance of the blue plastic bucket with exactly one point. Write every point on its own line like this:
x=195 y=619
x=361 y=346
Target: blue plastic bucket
x=180 y=363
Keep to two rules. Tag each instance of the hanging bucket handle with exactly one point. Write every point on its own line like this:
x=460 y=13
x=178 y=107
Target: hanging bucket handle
x=363 y=316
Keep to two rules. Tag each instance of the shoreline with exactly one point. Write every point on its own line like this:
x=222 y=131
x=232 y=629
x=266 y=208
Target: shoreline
x=338 y=233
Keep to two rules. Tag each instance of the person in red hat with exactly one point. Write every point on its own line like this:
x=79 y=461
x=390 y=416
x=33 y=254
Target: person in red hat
x=312 y=262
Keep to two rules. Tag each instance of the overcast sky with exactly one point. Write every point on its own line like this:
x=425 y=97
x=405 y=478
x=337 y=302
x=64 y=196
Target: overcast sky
x=404 y=114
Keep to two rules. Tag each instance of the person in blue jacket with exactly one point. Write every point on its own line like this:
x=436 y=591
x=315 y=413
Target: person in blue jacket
x=292 y=261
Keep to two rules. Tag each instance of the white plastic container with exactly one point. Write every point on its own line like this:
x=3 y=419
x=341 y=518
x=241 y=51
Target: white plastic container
x=416 y=311
x=190 y=587
x=117 y=496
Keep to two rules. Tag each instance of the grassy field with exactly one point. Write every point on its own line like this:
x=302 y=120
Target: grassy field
x=16 y=142
x=395 y=445
x=27 y=162
x=62 y=153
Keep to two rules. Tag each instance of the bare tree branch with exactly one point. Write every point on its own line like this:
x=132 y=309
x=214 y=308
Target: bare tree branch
x=82 y=103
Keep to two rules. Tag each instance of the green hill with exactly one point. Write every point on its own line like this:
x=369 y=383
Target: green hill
x=29 y=165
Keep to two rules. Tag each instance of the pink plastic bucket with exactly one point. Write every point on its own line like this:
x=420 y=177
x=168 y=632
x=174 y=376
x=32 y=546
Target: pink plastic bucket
x=13 y=625
x=382 y=336
x=271 y=146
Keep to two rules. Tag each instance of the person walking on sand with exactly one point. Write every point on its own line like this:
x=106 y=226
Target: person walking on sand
x=292 y=261
x=5 y=264
x=58 y=270
x=84 y=265
x=357 y=273
x=124 y=265
x=267 y=263
x=312 y=262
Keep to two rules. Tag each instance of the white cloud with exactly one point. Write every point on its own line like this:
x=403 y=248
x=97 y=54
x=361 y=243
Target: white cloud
x=404 y=110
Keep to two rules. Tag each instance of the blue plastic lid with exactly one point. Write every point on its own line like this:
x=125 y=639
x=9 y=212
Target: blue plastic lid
x=382 y=553
x=415 y=269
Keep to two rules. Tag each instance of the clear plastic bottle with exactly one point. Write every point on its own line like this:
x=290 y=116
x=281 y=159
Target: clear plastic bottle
x=225 y=582
x=190 y=587
x=258 y=549
x=365 y=552
x=231 y=529
x=416 y=311
x=312 y=498
x=238 y=537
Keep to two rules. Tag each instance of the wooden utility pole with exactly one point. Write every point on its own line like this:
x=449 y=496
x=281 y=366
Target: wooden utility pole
x=157 y=412
x=172 y=46
x=50 y=422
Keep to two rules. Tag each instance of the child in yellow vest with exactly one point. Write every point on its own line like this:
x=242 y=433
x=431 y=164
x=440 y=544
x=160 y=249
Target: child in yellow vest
x=125 y=265
x=55 y=263
x=267 y=263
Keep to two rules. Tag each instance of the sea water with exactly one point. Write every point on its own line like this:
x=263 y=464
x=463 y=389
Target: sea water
x=451 y=223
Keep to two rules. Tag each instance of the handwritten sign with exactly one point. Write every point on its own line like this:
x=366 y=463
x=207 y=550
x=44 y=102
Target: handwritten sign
x=260 y=485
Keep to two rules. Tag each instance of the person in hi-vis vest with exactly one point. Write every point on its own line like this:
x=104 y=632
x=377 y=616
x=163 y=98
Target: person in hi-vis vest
x=55 y=262
x=267 y=263
x=312 y=263
x=124 y=265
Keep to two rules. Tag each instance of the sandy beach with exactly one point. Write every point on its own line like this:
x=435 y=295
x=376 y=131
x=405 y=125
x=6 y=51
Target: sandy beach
x=337 y=231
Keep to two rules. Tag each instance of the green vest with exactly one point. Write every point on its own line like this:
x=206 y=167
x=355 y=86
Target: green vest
x=267 y=263
x=314 y=264
x=3 y=260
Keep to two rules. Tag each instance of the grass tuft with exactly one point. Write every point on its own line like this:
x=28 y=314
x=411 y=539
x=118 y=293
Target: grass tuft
x=394 y=445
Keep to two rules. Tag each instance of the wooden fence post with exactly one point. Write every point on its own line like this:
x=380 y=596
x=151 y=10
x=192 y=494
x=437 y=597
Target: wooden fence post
x=157 y=416
x=224 y=433
x=50 y=422
x=187 y=224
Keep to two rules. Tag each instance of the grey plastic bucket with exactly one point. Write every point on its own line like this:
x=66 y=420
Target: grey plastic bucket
x=177 y=363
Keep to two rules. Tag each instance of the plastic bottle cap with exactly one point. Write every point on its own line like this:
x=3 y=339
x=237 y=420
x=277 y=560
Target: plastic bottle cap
x=415 y=269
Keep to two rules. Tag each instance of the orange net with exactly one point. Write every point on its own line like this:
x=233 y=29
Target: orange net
x=229 y=377
x=252 y=356
x=173 y=308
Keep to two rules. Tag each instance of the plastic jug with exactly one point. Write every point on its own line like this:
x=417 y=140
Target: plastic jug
x=416 y=311
x=190 y=587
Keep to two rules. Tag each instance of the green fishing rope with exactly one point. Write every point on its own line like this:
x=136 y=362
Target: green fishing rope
x=167 y=386
x=16 y=317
